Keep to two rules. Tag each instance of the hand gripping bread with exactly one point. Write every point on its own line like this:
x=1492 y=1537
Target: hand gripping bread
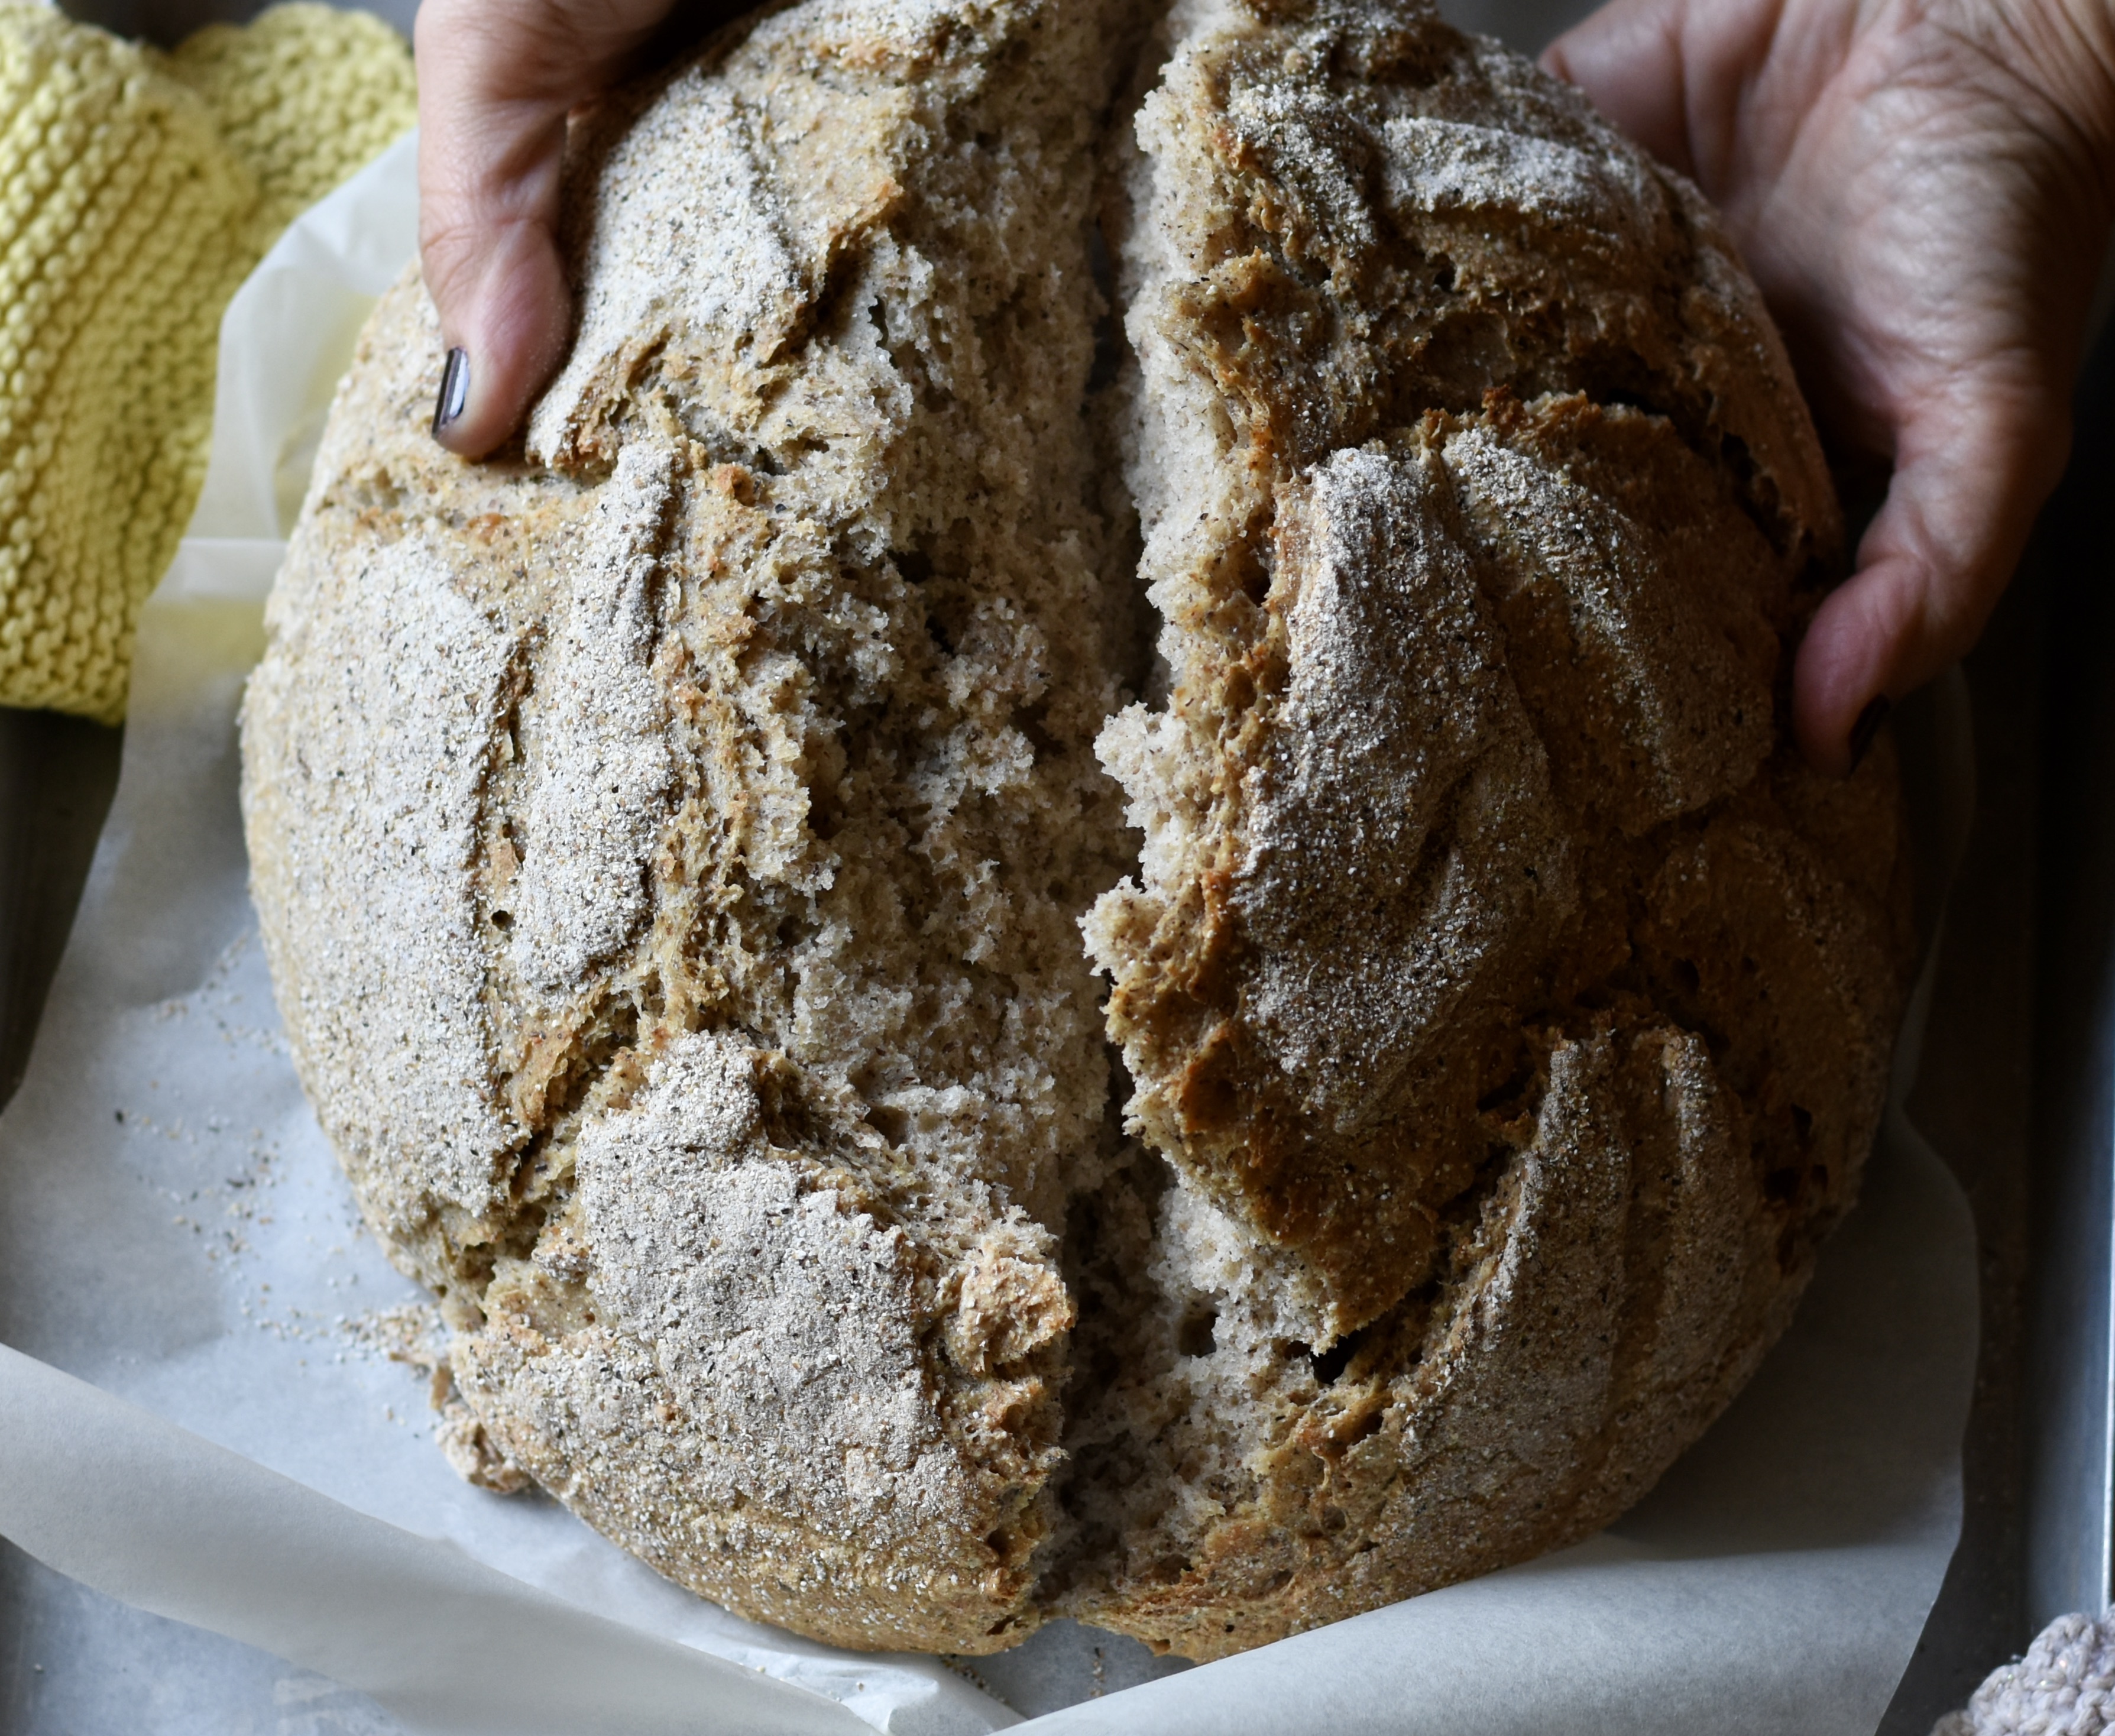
x=935 y=1094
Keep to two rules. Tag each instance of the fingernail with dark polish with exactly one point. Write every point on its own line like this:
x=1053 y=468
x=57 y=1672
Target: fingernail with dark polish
x=455 y=391
x=1867 y=727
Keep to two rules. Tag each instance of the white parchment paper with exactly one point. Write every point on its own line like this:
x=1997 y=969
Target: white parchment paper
x=174 y=1231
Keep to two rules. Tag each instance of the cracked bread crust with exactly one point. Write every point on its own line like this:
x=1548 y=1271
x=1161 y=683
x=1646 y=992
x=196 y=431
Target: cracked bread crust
x=1514 y=1006
x=674 y=839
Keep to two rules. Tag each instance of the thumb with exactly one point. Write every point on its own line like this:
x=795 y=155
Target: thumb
x=496 y=78
x=1971 y=470
x=488 y=251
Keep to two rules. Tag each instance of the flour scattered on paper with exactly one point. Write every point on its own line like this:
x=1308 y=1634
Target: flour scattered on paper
x=413 y=1332
x=218 y=1214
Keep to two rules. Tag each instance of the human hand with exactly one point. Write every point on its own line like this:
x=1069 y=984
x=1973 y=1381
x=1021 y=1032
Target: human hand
x=496 y=78
x=1922 y=189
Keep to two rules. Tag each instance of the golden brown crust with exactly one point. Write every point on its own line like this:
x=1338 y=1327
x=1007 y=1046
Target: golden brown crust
x=1494 y=977
x=673 y=841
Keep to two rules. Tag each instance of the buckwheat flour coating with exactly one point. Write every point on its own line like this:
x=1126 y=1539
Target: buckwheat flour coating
x=1000 y=975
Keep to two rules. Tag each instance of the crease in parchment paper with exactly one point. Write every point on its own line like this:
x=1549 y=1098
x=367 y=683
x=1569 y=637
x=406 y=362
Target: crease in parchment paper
x=174 y=1230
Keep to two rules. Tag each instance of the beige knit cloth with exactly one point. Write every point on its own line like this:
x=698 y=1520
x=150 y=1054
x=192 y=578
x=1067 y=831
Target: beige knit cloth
x=2065 y=1686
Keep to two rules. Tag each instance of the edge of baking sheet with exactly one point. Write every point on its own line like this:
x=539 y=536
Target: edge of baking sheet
x=2070 y=1481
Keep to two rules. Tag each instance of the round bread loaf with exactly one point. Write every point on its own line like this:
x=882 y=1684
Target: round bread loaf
x=935 y=1093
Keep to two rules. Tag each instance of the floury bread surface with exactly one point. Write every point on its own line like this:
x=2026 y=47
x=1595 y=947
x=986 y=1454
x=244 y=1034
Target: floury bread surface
x=675 y=841
x=674 y=838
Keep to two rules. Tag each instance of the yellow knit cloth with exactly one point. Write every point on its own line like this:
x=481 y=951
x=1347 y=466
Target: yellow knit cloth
x=137 y=190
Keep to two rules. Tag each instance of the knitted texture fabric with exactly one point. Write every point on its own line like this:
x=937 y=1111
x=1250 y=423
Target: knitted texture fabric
x=137 y=190
x=2065 y=1686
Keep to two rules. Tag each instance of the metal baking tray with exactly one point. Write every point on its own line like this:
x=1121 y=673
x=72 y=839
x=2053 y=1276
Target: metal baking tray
x=2027 y=1061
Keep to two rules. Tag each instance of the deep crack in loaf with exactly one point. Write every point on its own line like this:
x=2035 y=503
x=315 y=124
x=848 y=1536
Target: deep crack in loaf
x=674 y=841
